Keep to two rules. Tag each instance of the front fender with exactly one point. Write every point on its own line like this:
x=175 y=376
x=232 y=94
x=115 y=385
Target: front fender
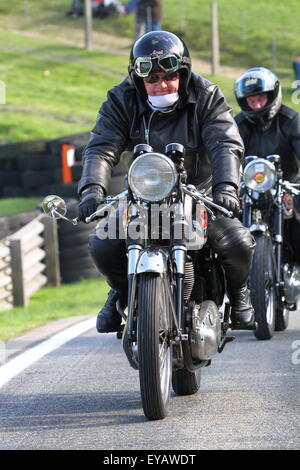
x=255 y=228
x=152 y=261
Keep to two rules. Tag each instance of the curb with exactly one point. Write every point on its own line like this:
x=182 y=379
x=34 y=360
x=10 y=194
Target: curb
x=31 y=338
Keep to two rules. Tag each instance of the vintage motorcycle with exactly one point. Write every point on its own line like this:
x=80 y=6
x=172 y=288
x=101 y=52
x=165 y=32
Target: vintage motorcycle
x=176 y=319
x=267 y=204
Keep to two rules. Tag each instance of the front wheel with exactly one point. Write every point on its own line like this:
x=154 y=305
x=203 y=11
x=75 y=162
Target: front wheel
x=185 y=382
x=154 y=348
x=262 y=287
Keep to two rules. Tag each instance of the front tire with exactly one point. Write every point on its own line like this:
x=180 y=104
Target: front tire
x=154 y=348
x=262 y=288
x=282 y=318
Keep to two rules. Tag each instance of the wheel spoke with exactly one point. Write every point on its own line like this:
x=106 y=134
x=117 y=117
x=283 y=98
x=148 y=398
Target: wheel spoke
x=163 y=350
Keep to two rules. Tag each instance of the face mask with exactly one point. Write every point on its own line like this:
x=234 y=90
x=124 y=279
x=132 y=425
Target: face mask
x=163 y=101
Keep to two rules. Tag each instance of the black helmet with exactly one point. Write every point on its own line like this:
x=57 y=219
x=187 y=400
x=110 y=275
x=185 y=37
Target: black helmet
x=254 y=82
x=159 y=51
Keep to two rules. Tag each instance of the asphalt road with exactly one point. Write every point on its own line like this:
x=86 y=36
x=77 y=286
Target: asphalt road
x=84 y=395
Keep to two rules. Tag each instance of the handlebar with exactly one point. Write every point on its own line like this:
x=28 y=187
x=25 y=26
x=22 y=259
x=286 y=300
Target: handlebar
x=190 y=190
x=51 y=204
x=194 y=193
x=290 y=187
x=99 y=212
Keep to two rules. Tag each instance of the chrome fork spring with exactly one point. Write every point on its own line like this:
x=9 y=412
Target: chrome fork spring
x=189 y=280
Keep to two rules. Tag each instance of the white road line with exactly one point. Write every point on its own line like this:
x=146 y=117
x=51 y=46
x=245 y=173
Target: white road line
x=26 y=359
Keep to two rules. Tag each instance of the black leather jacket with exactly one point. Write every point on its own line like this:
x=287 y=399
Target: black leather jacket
x=282 y=138
x=203 y=124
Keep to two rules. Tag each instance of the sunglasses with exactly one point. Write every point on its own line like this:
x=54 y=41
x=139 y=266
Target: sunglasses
x=143 y=65
x=167 y=77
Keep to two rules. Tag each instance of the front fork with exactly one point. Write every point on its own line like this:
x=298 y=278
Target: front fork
x=178 y=259
x=278 y=230
x=278 y=233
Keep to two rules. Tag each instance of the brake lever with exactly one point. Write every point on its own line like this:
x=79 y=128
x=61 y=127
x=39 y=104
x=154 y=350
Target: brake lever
x=291 y=187
x=207 y=200
x=98 y=212
x=102 y=209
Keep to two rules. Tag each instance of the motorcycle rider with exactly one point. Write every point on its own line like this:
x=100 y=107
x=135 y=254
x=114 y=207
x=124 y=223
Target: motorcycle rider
x=162 y=101
x=268 y=127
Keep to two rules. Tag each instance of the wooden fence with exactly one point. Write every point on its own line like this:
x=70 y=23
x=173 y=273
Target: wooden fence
x=6 y=295
x=29 y=259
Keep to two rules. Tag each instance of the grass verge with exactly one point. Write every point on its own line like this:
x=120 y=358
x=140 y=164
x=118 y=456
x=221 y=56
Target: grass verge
x=260 y=32
x=52 y=89
x=15 y=205
x=55 y=89
x=81 y=298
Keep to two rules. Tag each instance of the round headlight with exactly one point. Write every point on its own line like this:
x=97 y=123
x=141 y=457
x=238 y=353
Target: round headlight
x=260 y=175
x=152 y=176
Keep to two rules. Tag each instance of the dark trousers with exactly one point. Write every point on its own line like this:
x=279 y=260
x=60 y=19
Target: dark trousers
x=231 y=240
x=292 y=234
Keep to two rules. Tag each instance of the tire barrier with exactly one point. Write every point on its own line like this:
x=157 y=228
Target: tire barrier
x=35 y=168
x=13 y=222
x=74 y=257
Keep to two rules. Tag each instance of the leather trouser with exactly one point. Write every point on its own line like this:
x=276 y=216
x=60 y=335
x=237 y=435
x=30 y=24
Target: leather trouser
x=292 y=236
x=231 y=240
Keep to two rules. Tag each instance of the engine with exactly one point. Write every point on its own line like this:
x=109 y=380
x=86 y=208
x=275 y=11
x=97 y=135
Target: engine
x=205 y=334
x=291 y=276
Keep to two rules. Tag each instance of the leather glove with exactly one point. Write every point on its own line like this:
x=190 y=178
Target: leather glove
x=225 y=195
x=91 y=198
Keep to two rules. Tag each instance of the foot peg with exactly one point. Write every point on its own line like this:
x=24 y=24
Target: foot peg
x=291 y=307
x=119 y=333
x=226 y=339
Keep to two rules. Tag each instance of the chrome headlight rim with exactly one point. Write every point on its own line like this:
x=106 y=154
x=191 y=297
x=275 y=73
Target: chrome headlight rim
x=139 y=191
x=262 y=169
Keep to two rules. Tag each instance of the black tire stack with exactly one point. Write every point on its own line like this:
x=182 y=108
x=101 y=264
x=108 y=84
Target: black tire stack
x=117 y=181
x=75 y=260
x=11 y=223
x=34 y=168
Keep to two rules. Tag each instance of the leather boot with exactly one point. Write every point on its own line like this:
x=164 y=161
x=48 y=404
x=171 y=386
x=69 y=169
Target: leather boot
x=242 y=311
x=109 y=319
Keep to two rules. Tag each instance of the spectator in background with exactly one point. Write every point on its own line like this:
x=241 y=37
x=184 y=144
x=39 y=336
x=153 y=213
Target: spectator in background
x=148 y=15
x=296 y=66
x=76 y=9
x=100 y=8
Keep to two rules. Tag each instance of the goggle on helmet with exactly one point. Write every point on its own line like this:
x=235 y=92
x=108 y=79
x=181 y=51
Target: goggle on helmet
x=143 y=66
x=159 y=51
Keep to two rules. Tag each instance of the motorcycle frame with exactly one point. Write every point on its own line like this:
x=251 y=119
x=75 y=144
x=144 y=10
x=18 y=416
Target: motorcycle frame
x=149 y=256
x=144 y=256
x=262 y=226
